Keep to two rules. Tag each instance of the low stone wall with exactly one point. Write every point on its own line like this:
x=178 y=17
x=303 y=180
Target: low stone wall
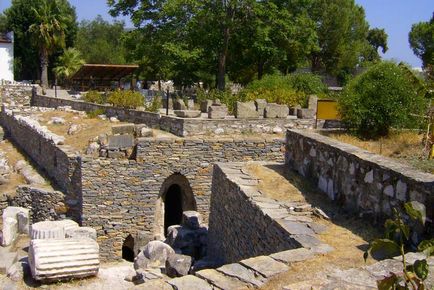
x=122 y=197
x=59 y=162
x=15 y=95
x=43 y=204
x=196 y=127
x=127 y=115
x=359 y=180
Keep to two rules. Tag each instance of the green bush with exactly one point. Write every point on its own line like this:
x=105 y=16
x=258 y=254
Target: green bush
x=95 y=113
x=155 y=105
x=94 y=97
x=307 y=83
x=126 y=99
x=381 y=98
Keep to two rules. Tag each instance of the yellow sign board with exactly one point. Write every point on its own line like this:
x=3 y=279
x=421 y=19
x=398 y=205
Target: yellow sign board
x=327 y=110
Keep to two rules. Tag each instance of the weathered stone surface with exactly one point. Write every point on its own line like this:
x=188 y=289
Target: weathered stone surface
x=179 y=104
x=7 y=260
x=291 y=256
x=123 y=129
x=190 y=282
x=187 y=113
x=178 y=265
x=10 y=231
x=306 y=113
x=204 y=105
x=15 y=272
x=146 y=132
x=217 y=111
x=21 y=215
x=47 y=230
x=81 y=232
x=246 y=110
x=260 y=106
x=154 y=254
x=120 y=142
x=191 y=219
x=265 y=266
x=296 y=228
x=242 y=273
x=276 y=111
x=221 y=281
x=52 y=260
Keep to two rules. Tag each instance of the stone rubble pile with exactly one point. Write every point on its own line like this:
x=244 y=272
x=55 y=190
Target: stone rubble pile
x=5 y=169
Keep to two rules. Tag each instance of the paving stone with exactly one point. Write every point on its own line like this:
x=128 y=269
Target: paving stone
x=307 y=241
x=242 y=273
x=322 y=249
x=291 y=256
x=317 y=228
x=355 y=276
x=383 y=268
x=220 y=280
x=190 y=282
x=265 y=266
x=296 y=228
x=156 y=285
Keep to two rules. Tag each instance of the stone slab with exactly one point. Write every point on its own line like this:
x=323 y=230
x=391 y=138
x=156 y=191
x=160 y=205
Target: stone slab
x=120 y=141
x=217 y=112
x=296 y=228
x=190 y=282
x=187 y=113
x=123 y=129
x=242 y=273
x=265 y=266
x=220 y=280
x=291 y=256
x=246 y=110
x=306 y=113
x=276 y=111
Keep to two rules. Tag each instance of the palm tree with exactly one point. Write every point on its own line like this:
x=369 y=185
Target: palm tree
x=68 y=64
x=48 y=32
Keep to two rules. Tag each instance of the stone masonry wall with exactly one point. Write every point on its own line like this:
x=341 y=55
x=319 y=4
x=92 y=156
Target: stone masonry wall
x=238 y=227
x=59 y=162
x=15 y=95
x=127 y=115
x=120 y=197
x=359 y=180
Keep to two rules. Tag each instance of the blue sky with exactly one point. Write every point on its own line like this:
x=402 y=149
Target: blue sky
x=395 y=16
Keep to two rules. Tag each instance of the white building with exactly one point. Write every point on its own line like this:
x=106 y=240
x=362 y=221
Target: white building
x=7 y=57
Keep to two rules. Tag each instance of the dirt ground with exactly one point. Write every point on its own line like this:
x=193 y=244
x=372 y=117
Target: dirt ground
x=404 y=146
x=348 y=234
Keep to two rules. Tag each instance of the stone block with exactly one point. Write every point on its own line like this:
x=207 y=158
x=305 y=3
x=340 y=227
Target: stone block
x=265 y=266
x=116 y=154
x=47 y=230
x=204 y=105
x=21 y=215
x=179 y=104
x=291 y=256
x=217 y=111
x=246 y=110
x=276 y=111
x=123 y=129
x=10 y=231
x=306 y=114
x=260 y=106
x=120 y=142
x=190 y=282
x=81 y=232
x=53 y=260
x=190 y=104
x=313 y=102
x=191 y=219
x=220 y=280
x=242 y=273
x=187 y=113
x=23 y=223
x=178 y=265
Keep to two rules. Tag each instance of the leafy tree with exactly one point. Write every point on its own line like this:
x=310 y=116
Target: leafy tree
x=377 y=38
x=101 y=42
x=3 y=23
x=380 y=98
x=68 y=63
x=421 y=40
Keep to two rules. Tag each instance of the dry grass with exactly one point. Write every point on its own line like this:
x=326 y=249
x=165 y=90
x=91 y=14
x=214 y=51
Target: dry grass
x=12 y=155
x=405 y=146
x=348 y=234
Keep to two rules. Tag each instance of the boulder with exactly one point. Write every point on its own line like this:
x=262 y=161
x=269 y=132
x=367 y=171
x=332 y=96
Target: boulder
x=187 y=113
x=276 y=111
x=260 y=106
x=178 y=265
x=191 y=219
x=154 y=254
x=217 y=111
x=204 y=105
x=246 y=110
x=179 y=104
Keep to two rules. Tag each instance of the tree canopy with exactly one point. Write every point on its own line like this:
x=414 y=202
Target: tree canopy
x=421 y=40
x=101 y=42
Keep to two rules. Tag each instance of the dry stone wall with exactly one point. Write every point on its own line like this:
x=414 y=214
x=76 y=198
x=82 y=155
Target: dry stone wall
x=357 y=179
x=15 y=95
x=59 y=162
x=120 y=197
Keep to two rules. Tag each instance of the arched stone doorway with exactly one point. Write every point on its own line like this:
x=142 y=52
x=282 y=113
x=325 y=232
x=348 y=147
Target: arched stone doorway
x=128 y=249
x=175 y=197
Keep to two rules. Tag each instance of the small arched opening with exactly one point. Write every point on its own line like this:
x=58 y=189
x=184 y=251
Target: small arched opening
x=176 y=196
x=128 y=249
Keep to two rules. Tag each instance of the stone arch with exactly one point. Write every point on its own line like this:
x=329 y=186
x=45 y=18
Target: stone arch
x=175 y=196
x=128 y=249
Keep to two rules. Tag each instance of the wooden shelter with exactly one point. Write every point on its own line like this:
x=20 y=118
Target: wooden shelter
x=101 y=76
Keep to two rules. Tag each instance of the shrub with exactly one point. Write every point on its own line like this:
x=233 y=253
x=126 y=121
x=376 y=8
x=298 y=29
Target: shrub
x=380 y=98
x=154 y=106
x=94 y=97
x=126 y=99
x=307 y=83
x=95 y=113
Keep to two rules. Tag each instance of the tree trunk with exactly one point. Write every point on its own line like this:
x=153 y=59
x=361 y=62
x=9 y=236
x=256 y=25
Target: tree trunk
x=44 y=68
x=221 y=83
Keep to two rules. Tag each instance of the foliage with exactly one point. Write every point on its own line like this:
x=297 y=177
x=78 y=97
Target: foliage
x=101 y=42
x=377 y=38
x=19 y=17
x=155 y=105
x=68 y=63
x=421 y=40
x=126 y=99
x=3 y=23
x=226 y=97
x=381 y=98
x=95 y=113
x=94 y=97
x=397 y=238
x=307 y=83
